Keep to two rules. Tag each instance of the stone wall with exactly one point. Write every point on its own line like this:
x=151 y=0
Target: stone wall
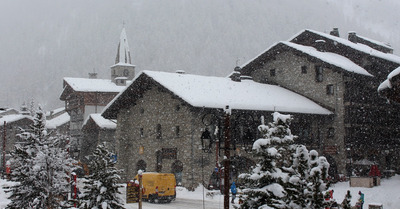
x=137 y=130
x=289 y=74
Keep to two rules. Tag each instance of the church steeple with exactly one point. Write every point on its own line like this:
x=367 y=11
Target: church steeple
x=123 y=53
x=123 y=69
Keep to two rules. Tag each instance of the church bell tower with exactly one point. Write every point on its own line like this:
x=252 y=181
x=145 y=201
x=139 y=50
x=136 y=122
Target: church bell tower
x=123 y=69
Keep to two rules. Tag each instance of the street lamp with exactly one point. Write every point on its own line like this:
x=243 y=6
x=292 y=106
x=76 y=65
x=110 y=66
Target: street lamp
x=206 y=141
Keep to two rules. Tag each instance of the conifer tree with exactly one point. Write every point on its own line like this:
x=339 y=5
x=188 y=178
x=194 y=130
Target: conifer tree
x=317 y=181
x=265 y=182
x=41 y=169
x=101 y=186
x=286 y=175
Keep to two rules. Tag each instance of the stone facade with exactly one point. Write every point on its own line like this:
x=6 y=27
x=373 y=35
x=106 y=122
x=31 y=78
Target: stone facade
x=9 y=133
x=139 y=138
x=298 y=74
x=160 y=132
x=93 y=135
x=362 y=126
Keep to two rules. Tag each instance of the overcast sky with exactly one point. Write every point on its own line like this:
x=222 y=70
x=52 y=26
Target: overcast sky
x=43 y=41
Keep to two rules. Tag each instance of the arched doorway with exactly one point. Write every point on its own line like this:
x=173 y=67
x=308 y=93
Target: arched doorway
x=176 y=169
x=141 y=165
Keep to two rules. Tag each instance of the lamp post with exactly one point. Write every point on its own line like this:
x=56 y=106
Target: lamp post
x=227 y=141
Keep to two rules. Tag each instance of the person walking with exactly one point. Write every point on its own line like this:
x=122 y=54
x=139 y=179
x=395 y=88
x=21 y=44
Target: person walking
x=361 y=199
x=233 y=191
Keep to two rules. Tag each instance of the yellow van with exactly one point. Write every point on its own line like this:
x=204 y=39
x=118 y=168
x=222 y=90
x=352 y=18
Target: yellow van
x=158 y=187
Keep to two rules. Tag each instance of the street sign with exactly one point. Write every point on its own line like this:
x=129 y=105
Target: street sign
x=132 y=192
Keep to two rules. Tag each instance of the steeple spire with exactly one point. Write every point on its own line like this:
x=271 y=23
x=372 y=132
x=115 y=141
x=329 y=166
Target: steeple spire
x=123 y=53
x=123 y=69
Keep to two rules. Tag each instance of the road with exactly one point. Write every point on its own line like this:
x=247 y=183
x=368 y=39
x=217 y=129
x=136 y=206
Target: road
x=181 y=203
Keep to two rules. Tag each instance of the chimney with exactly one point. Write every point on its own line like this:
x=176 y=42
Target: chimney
x=180 y=72
x=235 y=76
x=352 y=36
x=320 y=45
x=335 y=32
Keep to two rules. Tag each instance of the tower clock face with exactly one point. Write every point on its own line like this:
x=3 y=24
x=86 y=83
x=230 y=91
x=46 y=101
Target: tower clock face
x=126 y=72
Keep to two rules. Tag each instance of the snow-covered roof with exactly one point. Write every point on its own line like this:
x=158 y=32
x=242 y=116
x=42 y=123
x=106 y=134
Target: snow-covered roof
x=357 y=46
x=8 y=111
x=217 y=92
x=376 y=42
x=13 y=118
x=387 y=83
x=58 y=121
x=123 y=54
x=55 y=111
x=101 y=121
x=93 y=85
x=328 y=57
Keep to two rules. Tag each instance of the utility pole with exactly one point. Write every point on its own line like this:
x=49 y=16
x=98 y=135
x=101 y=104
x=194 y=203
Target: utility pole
x=227 y=156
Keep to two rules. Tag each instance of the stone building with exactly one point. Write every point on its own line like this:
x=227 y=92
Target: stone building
x=84 y=96
x=10 y=126
x=342 y=76
x=390 y=88
x=174 y=122
x=97 y=130
x=57 y=122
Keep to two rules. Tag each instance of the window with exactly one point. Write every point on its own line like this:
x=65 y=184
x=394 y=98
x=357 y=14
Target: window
x=141 y=132
x=304 y=69
x=331 y=132
x=178 y=107
x=177 y=131
x=272 y=72
x=158 y=131
x=329 y=89
x=319 y=74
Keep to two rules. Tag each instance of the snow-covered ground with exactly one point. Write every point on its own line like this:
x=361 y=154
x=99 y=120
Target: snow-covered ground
x=388 y=194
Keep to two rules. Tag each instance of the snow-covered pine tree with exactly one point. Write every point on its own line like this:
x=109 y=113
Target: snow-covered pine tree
x=317 y=181
x=297 y=183
x=41 y=169
x=346 y=204
x=101 y=186
x=286 y=175
x=265 y=182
